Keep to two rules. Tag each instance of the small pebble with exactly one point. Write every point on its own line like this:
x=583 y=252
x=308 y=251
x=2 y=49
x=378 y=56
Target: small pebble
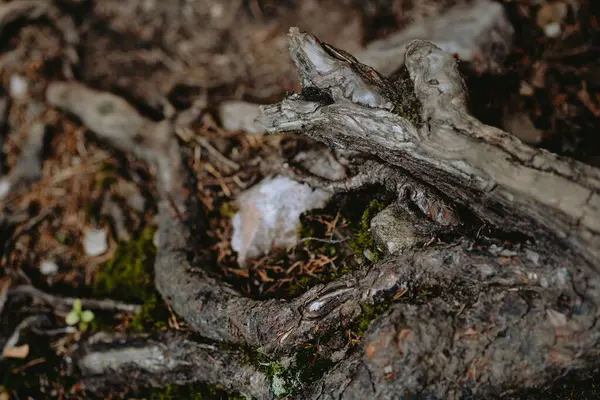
x=553 y=30
x=48 y=268
x=95 y=242
x=4 y=188
x=19 y=86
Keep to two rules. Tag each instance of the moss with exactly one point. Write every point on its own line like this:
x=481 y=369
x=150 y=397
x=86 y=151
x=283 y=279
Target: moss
x=306 y=368
x=406 y=103
x=300 y=285
x=153 y=315
x=61 y=237
x=128 y=275
x=197 y=391
x=306 y=230
x=368 y=314
x=363 y=240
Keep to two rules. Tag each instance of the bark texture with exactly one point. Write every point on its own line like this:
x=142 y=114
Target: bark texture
x=505 y=338
x=502 y=317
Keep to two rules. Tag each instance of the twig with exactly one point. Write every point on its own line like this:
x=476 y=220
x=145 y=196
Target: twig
x=215 y=153
x=67 y=302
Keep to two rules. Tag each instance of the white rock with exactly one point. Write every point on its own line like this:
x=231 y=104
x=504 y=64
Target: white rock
x=19 y=86
x=95 y=242
x=4 y=188
x=268 y=215
x=532 y=256
x=553 y=30
x=48 y=267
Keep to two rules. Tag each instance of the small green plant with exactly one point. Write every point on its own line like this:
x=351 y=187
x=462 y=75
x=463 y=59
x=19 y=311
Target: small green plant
x=79 y=316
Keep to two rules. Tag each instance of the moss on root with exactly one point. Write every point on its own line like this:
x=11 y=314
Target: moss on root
x=303 y=369
x=197 y=391
x=368 y=314
x=406 y=103
x=363 y=240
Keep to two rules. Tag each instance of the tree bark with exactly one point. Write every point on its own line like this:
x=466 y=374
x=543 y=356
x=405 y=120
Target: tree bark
x=502 y=319
x=505 y=338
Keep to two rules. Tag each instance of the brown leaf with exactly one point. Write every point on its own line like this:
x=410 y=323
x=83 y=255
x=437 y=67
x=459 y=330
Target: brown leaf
x=16 y=352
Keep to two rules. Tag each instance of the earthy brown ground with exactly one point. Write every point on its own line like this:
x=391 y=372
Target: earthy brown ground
x=220 y=51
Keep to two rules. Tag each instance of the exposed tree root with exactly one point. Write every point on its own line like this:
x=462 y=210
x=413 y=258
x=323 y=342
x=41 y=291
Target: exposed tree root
x=491 y=320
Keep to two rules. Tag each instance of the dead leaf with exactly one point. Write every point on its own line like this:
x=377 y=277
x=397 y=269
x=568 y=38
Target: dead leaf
x=16 y=352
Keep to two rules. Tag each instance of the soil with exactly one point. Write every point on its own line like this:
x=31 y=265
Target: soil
x=161 y=56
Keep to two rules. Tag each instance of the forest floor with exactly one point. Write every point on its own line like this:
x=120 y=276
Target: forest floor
x=548 y=91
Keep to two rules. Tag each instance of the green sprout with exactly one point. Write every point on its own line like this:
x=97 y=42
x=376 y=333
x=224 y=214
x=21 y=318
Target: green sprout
x=79 y=316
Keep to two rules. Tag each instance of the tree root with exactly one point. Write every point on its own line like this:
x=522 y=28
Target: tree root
x=506 y=318
x=142 y=361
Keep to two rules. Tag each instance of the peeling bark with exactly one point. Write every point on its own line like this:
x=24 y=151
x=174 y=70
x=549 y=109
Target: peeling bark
x=501 y=179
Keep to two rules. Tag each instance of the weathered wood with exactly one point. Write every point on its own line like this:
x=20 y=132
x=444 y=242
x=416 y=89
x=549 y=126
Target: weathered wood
x=504 y=321
x=504 y=339
x=504 y=181
x=146 y=361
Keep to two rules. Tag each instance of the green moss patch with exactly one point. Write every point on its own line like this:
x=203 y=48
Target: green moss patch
x=363 y=239
x=129 y=277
